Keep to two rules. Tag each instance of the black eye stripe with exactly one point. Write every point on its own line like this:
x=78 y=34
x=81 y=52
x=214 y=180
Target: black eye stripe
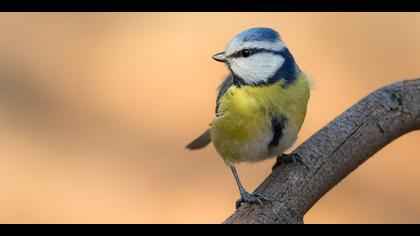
x=246 y=52
x=254 y=51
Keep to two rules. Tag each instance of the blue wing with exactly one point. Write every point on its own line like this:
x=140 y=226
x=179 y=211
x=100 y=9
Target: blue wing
x=222 y=90
x=204 y=139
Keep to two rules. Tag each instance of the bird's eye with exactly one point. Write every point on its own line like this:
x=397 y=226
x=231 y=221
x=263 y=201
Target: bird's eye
x=246 y=53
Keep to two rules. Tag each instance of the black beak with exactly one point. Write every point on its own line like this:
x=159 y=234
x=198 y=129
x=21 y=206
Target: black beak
x=220 y=57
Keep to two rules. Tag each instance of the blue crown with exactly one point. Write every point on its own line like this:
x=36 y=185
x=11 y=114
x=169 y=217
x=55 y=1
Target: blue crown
x=258 y=34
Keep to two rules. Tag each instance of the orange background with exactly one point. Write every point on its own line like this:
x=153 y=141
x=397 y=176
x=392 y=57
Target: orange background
x=96 y=108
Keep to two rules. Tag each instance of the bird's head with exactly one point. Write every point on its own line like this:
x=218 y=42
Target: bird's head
x=257 y=56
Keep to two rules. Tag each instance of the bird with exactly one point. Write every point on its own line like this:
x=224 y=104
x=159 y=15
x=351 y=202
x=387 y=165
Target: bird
x=260 y=106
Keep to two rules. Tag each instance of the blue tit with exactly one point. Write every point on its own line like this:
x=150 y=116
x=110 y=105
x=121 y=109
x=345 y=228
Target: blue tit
x=261 y=105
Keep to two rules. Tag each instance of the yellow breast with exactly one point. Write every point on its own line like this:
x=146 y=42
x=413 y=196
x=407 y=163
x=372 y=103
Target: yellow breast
x=246 y=114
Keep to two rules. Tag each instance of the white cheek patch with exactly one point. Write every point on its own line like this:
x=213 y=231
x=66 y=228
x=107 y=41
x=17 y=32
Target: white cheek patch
x=256 y=68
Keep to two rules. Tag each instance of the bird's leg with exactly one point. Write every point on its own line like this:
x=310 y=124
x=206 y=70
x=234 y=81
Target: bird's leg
x=245 y=196
x=290 y=158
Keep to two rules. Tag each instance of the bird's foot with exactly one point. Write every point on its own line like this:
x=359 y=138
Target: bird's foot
x=290 y=158
x=251 y=198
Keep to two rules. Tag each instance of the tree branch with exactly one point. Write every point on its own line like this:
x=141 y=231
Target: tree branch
x=334 y=152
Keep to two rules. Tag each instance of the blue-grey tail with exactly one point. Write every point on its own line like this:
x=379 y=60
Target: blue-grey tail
x=200 y=142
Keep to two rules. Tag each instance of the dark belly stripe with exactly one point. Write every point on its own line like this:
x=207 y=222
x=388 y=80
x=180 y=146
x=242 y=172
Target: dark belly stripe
x=277 y=125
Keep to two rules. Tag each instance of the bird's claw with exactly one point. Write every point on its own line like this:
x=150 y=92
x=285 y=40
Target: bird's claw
x=290 y=158
x=251 y=198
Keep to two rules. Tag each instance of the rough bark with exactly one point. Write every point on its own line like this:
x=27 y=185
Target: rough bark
x=334 y=152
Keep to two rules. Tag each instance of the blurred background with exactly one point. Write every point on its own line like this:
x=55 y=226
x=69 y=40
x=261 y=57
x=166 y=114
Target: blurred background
x=96 y=108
